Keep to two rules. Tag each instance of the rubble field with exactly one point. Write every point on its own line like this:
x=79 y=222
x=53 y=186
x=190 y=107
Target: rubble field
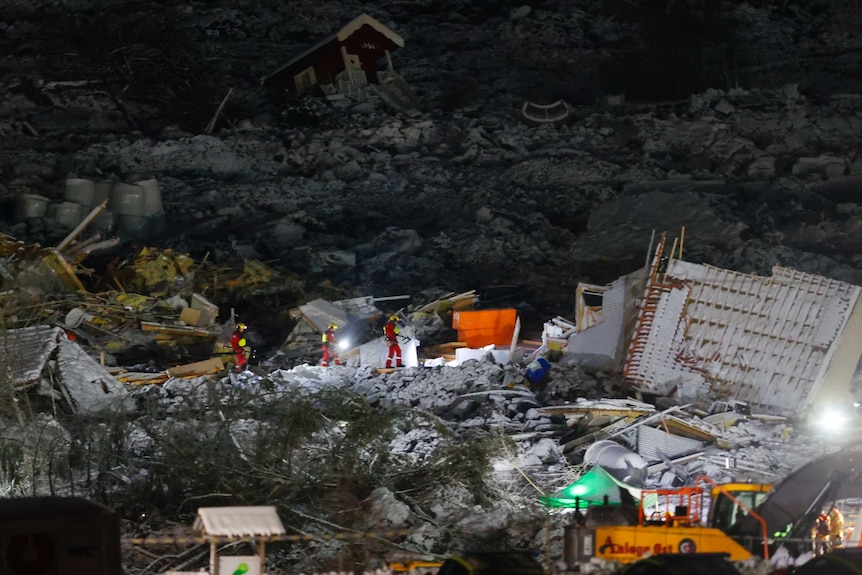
x=676 y=243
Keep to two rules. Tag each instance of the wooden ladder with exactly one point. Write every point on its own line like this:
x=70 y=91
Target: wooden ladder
x=655 y=288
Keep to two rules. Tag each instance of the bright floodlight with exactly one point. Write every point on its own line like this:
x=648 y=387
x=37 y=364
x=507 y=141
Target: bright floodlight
x=833 y=419
x=343 y=344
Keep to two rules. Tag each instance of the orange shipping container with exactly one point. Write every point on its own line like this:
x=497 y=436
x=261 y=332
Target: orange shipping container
x=485 y=327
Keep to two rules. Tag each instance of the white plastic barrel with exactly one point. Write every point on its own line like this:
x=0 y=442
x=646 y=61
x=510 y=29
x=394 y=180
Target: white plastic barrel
x=80 y=191
x=152 y=196
x=31 y=206
x=127 y=200
x=105 y=222
x=68 y=214
x=132 y=226
x=102 y=191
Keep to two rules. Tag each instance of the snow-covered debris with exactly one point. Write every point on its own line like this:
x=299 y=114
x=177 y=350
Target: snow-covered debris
x=417 y=445
x=432 y=389
x=544 y=452
x=385 y=510
x=89 y=385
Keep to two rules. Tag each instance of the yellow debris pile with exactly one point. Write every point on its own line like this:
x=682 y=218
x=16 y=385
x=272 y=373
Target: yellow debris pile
x=162 y=271
x=161 y=306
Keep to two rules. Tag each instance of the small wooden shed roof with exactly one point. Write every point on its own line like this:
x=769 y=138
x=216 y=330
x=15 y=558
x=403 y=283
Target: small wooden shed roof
x=51 y=507
x=260 y=521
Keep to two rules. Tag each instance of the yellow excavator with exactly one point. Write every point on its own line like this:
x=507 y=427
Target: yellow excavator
x=739 y=520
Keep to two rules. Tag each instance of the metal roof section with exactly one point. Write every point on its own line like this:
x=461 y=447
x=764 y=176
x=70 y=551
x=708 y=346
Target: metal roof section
x=24 y=353
x=765 y=340
x=653 y=444
x=260 y=521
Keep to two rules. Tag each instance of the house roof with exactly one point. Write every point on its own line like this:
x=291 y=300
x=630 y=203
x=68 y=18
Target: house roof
x=764 y=340
x=339 y=36
x=257 y=521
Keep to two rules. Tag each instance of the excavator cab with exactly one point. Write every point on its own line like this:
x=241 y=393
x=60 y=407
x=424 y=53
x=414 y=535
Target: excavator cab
x=731 y=502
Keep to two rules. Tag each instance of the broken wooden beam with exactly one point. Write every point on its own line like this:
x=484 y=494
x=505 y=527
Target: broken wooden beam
x=82 y=226
x=594 y=411
x=142 y=378
x=682 y=428
x=205 y=367
x=176 y=329
x=451 y=344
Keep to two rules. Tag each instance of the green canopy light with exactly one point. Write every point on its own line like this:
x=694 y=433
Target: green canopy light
x=591 y=489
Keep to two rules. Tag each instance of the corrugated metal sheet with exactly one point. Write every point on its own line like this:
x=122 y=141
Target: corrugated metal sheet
x=651 y=440
x=239 y=521
x=758 y=339
x=24 y=352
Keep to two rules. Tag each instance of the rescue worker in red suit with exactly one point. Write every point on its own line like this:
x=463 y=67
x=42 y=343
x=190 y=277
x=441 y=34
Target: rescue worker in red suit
x=330 y=346
x=821 y=534
x=239 y=344
x=390 y=332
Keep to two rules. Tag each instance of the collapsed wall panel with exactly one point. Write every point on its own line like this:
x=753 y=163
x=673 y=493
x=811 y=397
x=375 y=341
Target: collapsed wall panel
x=765 y=340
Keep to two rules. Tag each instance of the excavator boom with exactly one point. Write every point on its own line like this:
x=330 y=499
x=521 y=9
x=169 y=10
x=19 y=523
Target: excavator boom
x=795 y=501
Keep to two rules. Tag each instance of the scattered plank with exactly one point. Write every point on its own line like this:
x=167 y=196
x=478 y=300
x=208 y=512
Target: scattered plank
x=205 y=367
x=175 y=329
x=682 y=428
x=142 y=378
x=452 y=344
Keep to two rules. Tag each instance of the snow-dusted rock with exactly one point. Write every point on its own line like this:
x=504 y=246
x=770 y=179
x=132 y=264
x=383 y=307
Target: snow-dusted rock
x=385 y=510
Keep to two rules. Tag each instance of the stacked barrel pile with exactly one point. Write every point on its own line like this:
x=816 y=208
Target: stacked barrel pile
x=132 y=210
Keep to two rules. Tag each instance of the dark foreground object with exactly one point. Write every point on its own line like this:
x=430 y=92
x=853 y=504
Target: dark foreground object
x=682 y=564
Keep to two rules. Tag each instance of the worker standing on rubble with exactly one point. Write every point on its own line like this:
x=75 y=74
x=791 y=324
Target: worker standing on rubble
x=821 y=534
x=330 y=346
x=239 y=345
x=836 y=528
x=390 y=333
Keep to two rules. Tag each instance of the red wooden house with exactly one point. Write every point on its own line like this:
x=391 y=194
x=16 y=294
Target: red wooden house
x=343 y=62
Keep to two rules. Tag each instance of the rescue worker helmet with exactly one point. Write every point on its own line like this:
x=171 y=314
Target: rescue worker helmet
x=393 y=318
x=240 y=327
x=332 y=326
